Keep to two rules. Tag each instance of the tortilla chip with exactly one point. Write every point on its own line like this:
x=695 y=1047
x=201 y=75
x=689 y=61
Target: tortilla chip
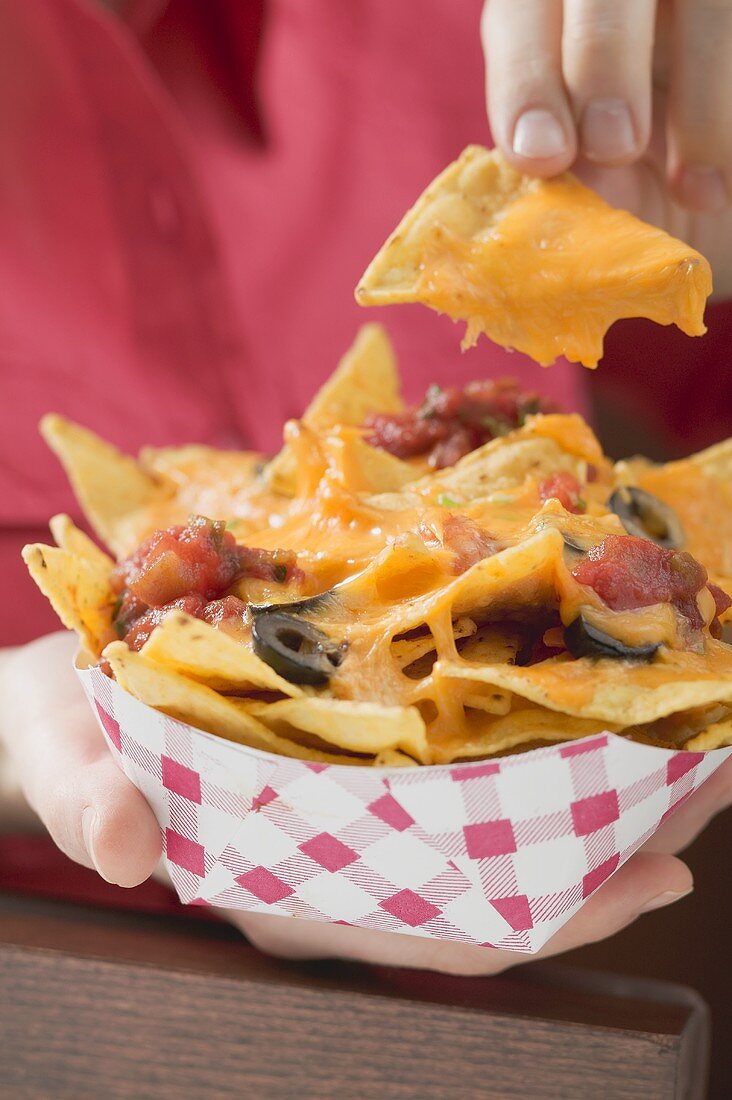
x=543 y=266
x=196 y=464
x=389 y=758
x=365 y=381
x=364 y=728
x=501 y=465
x=699 y=490
x=716 y=736
x=110 y=487
x=78 y=590
x=361 y=468
x=406 y=651
x=199 y=651
x=75 y=542
x=619 y=692
x=491 y=735
x=199 y=706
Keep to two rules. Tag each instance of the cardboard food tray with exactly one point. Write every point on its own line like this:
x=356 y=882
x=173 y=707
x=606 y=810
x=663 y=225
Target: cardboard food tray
x=499 y=853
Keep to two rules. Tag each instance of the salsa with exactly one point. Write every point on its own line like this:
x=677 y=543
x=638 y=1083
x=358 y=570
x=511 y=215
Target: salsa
x=190 y=567
x=451 y=422
x=565 y=488
x=628 y=572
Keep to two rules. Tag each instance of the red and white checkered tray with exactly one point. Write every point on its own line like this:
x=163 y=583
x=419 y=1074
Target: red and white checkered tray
x=498 y=853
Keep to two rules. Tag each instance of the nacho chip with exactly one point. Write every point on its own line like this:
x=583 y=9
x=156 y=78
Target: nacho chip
x=195 y=649
x=356 y=727
x=78 y=590
x=111 y=487
x=365 y=381
x=425 y=607
x=389 y=758
x=543 y=266
x=620 y=692
x=486 y=736
x=76 y=543
x=361 y=468
x=406 y=651
x=717 y=736
x=699 y=490
x=200 y=706
x=500 y=465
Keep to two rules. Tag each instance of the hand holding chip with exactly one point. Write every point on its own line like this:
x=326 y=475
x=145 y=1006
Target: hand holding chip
x=633 y=96
x=92 y=811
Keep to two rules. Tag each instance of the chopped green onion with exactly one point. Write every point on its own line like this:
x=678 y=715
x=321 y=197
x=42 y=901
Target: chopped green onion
x=446 y=501
x=530 y=408
x=495 y=427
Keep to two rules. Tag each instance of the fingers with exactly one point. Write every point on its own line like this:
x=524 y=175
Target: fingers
x=647 y=881
x=569 y=78
x=691 y=818
x=92 y=811
x=528 y=108
x=607 y=52
x=700 y=104
x=290 y=939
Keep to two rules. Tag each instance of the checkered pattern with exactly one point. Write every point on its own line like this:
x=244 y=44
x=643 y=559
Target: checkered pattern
x=498 y=853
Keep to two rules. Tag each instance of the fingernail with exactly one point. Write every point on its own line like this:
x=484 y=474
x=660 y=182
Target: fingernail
x=89 y=823
x=606 y=130
x=667 y=898
x=539 y=135
x=703 y=189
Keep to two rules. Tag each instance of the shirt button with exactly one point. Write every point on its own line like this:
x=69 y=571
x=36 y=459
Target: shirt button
x=165 y=211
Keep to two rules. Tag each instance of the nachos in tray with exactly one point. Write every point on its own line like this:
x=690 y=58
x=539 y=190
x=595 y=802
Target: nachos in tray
x=408 y=585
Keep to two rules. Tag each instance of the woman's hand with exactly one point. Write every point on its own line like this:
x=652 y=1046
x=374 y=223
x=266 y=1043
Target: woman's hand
x=64 y=769
x=100 y=819
x=651 y=879
x=633 y=95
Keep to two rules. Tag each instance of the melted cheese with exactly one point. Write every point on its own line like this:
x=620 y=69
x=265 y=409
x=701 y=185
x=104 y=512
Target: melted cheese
x=395 y=576
x=703 y=504
x=542 y=266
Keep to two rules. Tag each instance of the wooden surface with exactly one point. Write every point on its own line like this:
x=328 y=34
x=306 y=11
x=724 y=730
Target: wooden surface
x=98 y=1003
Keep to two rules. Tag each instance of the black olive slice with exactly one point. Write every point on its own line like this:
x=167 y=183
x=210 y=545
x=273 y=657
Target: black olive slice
x=294 y=648
x=582 y=639
x=573 y=544
x=321 y=602
x=646 y=516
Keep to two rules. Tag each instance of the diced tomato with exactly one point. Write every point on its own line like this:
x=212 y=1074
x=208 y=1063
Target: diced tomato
x=451 y=422
x=228 y=614
x=458 y=443
x=269 y=565
x=468 y=542
x=200 y=559
x=462 y=536
x=190 y=567
x=140 y=630
x=565 y=488
x=628 y=572
x=404 y=434
x=722 y=603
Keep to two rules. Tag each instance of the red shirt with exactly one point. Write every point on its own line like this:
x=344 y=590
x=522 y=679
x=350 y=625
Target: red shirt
x=188 y=196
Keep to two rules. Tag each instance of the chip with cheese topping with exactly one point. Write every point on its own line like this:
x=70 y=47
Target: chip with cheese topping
x=542 y=266
x=466 y=577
